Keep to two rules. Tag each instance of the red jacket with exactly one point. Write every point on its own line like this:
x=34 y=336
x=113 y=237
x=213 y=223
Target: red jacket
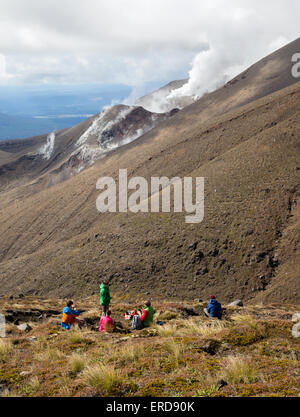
x=144 y=315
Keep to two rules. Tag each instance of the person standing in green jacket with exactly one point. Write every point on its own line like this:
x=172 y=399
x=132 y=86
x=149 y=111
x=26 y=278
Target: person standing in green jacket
x=104 y=297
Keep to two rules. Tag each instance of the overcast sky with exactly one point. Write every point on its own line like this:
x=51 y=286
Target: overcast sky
x=137 y=41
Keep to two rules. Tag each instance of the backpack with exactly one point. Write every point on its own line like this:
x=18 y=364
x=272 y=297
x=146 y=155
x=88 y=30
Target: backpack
x=136 y=323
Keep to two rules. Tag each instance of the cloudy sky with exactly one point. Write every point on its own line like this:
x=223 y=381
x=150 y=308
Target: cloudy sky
x=138 y=41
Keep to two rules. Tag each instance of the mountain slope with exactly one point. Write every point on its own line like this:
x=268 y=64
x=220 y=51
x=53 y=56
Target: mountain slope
x=56 y=157
x=71 y=153
x=57 y=243
x=249 y=160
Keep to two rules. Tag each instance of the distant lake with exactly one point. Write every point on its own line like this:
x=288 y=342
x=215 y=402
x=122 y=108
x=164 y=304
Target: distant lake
x=33 y=110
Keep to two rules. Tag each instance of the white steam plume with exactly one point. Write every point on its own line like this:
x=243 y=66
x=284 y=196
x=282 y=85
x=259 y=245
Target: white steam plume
x=210 y=70
x=214 y=67
x=100 y=124
x=47 y=149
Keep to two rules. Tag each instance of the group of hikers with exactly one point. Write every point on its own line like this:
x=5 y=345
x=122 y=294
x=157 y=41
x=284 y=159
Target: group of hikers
x=140 y=318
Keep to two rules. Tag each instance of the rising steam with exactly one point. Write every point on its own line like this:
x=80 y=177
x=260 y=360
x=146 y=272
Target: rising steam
x=47 y=149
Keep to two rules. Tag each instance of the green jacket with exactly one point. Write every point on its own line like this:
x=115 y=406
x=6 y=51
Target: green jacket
x=149 y=318
x=104 y=295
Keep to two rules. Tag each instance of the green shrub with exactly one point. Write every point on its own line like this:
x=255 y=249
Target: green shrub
x=153 y=389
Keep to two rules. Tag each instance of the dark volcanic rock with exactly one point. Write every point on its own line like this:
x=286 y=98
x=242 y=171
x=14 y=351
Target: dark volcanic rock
x=221 y=384
x=15 y=316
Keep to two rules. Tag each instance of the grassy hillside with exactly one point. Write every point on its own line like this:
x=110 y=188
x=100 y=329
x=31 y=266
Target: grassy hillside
x=249 y=354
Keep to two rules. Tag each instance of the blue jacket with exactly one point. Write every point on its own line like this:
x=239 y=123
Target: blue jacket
x=69 y=317
x=214 y=309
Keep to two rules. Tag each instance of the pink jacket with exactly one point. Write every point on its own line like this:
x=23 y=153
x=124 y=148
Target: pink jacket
x=106 y=324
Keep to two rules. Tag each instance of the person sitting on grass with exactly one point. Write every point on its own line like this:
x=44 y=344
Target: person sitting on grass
x=214 y=308
x=69 y=315
x=106 y=323
x=147 y=314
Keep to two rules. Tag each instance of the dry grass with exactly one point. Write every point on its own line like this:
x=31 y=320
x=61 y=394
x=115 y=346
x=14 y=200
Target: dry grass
x=244 y=319
x=130 y=352
x=101 y=377
x=168 y=330
x=166 y=315
x=79 y=336
x=50 y=354
x=194 y=327
x=92 y=313
x=34 y=384
x=6 y=393
x=174 y=348
x=76 y=336
x=150 y=364
x=77 y=363
x=5 y=349
x=10 y=329
x=238 y=370
x=66 y=384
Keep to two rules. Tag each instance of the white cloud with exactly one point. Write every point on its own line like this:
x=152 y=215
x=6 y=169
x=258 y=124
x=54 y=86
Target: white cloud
x=248 y=36
x=134 y=41
x=2 y=66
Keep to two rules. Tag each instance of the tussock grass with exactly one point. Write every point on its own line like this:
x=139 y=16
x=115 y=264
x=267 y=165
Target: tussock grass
x=34 y=384
x=131 y=352
x=208 y=329
x=206 y=380
x=244 y=319
x=66 y=384
x=239 y=370
x=5 y=349
x=174 y=349
x=162 y=360
x=168 y=330
x=77 y=337
x=101 y=377
x=166 y=315
x=6 y=393
x=77 y=364
x=65 y=392
x=50 y=354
